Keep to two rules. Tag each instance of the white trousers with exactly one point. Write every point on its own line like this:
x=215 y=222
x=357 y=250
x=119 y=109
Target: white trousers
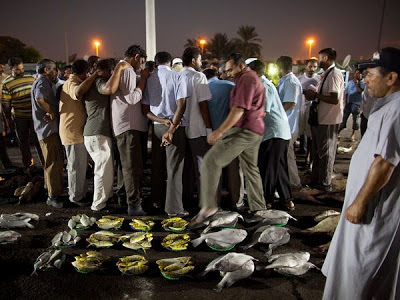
x=100 y=150
x=76 y=169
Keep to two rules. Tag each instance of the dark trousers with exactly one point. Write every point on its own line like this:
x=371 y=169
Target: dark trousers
x=351 y=109
x=5 y=160
x=273 y=165
x=363 y=125
x=175 y=158
x=130 y=166
x=24 y=129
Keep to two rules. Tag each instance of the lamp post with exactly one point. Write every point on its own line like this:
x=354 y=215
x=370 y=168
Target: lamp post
x=202 y=42
x=97 y=44
x=310 y=42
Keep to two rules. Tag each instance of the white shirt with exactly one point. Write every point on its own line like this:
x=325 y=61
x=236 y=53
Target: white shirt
x=330 y=114
x=199 y=91
x=305 y=84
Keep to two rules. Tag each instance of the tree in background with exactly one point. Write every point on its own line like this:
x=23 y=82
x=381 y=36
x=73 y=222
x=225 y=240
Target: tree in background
x=11 y=47
x=220 y=46
x=248 y=43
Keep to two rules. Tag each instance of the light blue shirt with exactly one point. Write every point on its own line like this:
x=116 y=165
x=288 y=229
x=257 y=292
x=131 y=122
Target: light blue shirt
x=276 y=120
x=219 y=103
x=290 y=90
x=353 y=96
x=165 y=87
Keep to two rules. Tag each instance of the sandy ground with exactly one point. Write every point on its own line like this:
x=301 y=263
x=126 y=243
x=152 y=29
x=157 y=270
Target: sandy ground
x=16 y=260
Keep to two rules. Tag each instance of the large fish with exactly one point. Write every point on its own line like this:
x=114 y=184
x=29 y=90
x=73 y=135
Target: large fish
x=288 y=260
x=228 y=263
x=225 y=236
x=223 y=219
x=327 y=225
x=9 y=236
x=231 y=277
x=272 y=235
x=297 y=271
x=270 y=217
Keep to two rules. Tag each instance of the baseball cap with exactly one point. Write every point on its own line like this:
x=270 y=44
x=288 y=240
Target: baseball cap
x=250 y=59
x=388 y=58
x=176 y=60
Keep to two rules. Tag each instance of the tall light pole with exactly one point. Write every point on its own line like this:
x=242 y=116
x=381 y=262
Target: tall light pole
x=150 y=29
x=65 y=33
x=381 y=25
x=310 y=42
x=97 y=44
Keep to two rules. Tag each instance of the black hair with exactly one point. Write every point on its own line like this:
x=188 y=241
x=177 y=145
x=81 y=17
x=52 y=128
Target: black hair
x=257 y=66
x=237 y=58
x=285 y=63
x=222 y=65
x=162 y=58
x=42 y=64
x=330 y=52
x=135 y=49
x=105 y=64
x=93 y=59
x=312 y=60
x=205 y=64
x=210 y=73
x=68 y=66
x=14 y=61
x=189 y=54
x=79 y=67
x=150 y=65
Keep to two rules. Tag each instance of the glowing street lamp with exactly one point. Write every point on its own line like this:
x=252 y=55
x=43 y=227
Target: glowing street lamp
x=97 y=44
x=202 y=43
x=310 y=42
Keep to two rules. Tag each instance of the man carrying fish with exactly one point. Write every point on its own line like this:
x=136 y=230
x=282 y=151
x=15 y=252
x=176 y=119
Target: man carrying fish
x=363 y=261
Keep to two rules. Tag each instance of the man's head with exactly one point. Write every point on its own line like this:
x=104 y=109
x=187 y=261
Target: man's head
x=192 y=58
x=234 y=65
x=221 y=70
x=210 y=73
x=311 y=67
x=163 y=58
x=326 y=57
x=357 y=75
x=47 y=67
x=16 y=66
x=285 y=65
x=105 y=67
x=92 y=61
x=257 y=66
x=67 y=71
x=383 y=73
x=150 y=65
x=80 y=68
x=136 y=56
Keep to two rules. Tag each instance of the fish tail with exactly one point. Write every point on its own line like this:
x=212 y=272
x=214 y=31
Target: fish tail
x=197 y=241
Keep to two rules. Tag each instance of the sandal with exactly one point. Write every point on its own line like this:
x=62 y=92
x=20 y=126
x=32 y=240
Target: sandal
x=289 y=205
x=180 y=215
x=198 y=221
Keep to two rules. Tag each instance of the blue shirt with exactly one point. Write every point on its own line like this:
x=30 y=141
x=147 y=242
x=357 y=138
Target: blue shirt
x=353 y=96
x=276 y=120
x=43 y=88
x=165 y=87
x=219 y=103
x=290 y=90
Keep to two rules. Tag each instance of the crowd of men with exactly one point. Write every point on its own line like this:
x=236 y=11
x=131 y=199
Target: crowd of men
x=227 y=124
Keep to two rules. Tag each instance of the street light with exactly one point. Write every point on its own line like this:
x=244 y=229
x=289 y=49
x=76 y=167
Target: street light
x=310 y=42
x=97 y=44
x=202 y=42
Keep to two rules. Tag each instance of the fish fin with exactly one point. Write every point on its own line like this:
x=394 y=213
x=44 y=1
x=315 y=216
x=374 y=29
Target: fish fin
x=293 y=218
x=249 y=245
x=208 y=228
x=268 y=253
x=26 y=221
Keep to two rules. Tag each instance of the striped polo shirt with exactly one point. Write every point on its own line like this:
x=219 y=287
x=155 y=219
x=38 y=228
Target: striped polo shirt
x=17 y=91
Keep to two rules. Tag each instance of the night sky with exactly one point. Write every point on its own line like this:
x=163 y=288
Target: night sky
x=283 y=25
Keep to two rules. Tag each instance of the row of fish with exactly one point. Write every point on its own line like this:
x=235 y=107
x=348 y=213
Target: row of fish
x=48 y=260
x=176 y=242
x=175 y=268
x=80 y=222
x=134 y=241
x=89 y=262
x=65 y=239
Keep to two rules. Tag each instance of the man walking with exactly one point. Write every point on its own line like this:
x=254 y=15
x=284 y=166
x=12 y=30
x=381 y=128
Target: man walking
x=239 y=135
x=45 y=120
x=165 y=100
x=290 y=93
x=128 y=122
x=16 y=94
x=363 y=259
x=330 y=113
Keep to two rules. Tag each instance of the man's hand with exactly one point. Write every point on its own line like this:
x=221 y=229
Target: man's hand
x=355 y=212
x=145 y=73
x=48 y=117
x=309 y=94
x=167 y=138
x=167 y=122
x=214 y=137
